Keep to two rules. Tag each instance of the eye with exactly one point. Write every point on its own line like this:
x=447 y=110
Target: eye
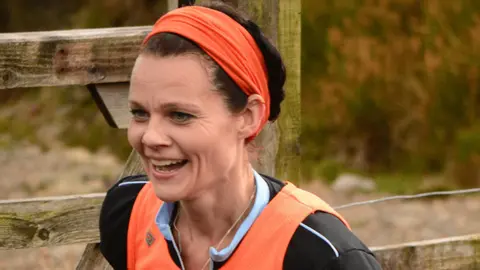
x=181 y=117
x=139 y=115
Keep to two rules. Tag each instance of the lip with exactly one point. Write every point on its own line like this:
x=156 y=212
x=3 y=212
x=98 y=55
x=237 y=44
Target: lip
x=161 y=158
x=163 y=176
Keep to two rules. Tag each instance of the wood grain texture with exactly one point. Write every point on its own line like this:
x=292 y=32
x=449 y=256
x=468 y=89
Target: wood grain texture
x=455 y=253
x=49 y=221
x=69 y=57
x=289 y=124
x=93 y=259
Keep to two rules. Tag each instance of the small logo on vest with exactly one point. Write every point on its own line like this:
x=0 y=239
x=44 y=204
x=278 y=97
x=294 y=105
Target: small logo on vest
x=149 y=239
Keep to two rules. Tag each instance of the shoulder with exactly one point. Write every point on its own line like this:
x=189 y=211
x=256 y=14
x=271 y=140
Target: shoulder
x=322 y=241
x=114 y=218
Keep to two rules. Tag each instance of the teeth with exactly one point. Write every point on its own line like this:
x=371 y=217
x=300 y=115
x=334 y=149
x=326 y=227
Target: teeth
x=166 y=162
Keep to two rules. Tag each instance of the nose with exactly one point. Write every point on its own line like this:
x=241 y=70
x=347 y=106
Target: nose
x=155 y=135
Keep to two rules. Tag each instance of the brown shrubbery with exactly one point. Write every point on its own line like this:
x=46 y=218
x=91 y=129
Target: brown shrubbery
x=393 y=85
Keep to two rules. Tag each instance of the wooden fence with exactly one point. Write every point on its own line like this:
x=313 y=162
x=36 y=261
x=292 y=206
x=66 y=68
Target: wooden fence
x=66 y=220
x=101 y=59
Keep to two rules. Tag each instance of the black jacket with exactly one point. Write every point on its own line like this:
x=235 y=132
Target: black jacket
x=325 y=243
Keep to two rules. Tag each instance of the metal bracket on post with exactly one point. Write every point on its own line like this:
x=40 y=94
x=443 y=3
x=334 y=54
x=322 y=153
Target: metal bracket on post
x=112 y=101
x=92 y=88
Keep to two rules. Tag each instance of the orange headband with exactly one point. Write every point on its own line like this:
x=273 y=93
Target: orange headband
x=227 y=42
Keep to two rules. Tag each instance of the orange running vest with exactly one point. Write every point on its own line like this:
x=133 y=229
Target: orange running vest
x=263 y=247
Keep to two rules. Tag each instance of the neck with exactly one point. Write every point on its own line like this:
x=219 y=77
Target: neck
x=211 y=214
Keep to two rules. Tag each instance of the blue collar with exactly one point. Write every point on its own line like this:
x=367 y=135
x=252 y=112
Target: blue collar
x=262 y=198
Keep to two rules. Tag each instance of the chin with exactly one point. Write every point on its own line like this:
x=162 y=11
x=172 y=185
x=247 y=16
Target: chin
x=166 y=194
x=170 y=191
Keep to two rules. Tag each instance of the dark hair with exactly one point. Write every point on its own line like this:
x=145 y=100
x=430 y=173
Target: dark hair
x=169 y=44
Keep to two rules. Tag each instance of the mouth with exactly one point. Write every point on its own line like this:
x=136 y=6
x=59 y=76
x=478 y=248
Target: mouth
x=169 y=165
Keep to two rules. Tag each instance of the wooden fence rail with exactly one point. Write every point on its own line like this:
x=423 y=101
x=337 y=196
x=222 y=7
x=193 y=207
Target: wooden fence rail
x=53 y=221
x=454 y=253
x=70 y=57
x=74 y=219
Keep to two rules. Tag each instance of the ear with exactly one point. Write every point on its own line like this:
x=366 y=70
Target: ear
x=251 y=117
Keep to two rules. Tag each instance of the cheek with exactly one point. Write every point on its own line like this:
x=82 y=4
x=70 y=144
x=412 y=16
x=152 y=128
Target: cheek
x=216 y=143
x=134 y=134
x=212 y=133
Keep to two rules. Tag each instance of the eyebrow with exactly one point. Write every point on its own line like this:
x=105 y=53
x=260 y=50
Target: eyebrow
x=169 y=105
x=133 y=103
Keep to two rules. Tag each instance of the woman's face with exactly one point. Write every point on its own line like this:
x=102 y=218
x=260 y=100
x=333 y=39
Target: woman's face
x=182 y=129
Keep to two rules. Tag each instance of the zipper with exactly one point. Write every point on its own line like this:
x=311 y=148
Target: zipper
x=176 y=250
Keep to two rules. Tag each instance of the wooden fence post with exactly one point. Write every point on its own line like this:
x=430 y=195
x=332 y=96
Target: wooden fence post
x=278 y=144
x=265 y=14
x=289 y=124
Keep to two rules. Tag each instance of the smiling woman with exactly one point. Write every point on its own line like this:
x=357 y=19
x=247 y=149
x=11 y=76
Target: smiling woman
x=202 y=88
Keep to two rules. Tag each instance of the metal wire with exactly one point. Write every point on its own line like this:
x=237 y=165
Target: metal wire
x=406 y=197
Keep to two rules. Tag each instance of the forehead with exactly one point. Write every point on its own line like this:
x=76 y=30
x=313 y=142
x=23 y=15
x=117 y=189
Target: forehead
x=169 y=77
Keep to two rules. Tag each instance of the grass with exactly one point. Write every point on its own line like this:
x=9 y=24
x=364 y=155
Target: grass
x=401 y=183
x=398 y=183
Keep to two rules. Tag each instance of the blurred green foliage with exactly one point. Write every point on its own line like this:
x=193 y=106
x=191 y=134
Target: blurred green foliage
x=389 y=87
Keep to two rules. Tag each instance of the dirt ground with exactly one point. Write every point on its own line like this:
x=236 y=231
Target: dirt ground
x=27 y=172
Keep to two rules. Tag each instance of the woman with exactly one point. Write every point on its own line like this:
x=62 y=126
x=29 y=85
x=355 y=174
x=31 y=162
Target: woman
x=203 y=86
